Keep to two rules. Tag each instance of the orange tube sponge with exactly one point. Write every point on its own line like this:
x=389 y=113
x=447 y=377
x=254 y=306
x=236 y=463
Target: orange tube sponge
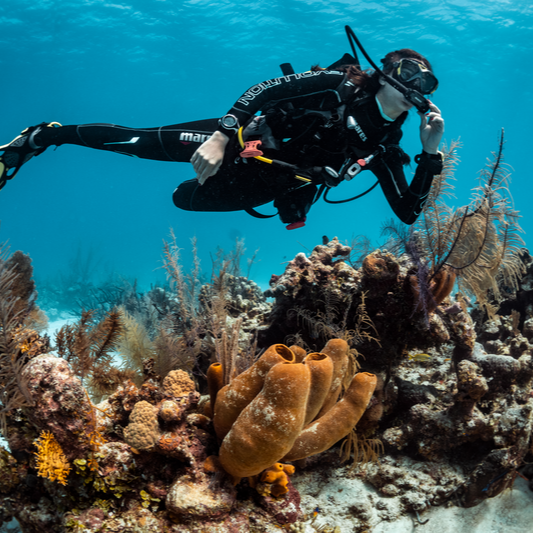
x=267 y=428
x=321 y=368
x=215 y=381
x=299 y=353
x=323 y=433
x=233 y=398
x=337 y=349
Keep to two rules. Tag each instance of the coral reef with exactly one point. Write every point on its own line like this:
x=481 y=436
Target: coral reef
x=461 y=400
x=196 y=432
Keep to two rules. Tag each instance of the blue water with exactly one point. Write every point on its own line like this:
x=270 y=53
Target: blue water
x=148 y=63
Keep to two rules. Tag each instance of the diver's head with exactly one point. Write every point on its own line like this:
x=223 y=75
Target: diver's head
x=411 y=69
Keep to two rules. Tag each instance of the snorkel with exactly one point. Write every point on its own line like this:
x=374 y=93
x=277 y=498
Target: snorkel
x=411 y=95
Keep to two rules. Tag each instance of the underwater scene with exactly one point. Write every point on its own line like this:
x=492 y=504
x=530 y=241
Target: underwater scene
x=265 y=266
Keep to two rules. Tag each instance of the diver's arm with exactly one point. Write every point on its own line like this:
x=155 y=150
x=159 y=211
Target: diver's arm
x=207 y=159
x=406 y=200
x=283 y=88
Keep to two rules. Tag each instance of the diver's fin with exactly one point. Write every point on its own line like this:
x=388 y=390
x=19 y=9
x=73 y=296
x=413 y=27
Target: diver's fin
x=20 y=150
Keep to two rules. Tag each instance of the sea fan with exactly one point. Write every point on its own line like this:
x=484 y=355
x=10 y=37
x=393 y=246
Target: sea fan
x=13 y=390
x=478 y=243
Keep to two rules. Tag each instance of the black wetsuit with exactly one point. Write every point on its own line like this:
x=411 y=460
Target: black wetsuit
x=307 y=114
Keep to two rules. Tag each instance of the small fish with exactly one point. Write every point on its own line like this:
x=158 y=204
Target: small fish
x=419 y=357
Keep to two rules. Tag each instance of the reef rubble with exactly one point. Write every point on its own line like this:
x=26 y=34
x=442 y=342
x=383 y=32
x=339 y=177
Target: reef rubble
x=447 y=420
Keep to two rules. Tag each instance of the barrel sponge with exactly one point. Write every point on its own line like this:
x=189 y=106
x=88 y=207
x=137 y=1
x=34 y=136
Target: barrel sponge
x=233 y=398
x=143 y=429
x=178 y=383
x=266 y=429
x=324 y=432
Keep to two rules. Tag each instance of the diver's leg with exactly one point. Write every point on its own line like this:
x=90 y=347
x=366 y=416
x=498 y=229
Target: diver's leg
x=236 y=186
x=221 y=193
x=167 y=143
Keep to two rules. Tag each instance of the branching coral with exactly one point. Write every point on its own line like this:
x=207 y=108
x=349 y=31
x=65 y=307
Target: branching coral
x=51 y=461
x=206 y=321
x=134 y=345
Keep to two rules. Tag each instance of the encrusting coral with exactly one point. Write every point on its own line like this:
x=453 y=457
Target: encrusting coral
x=178 y=383
x=143 y=430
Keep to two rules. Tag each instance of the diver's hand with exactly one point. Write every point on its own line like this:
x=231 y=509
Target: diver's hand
x=431 y=129
x=207 y=159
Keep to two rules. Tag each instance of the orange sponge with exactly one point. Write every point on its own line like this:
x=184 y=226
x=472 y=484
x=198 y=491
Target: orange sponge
x=324 y=432
x=321 y=368
x=267 y=428
x=233 y=398
x=337 y=349
x=215 y=381
x=276 y=478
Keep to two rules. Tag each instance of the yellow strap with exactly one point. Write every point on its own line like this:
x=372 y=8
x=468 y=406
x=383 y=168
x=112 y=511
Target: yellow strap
x=241 y=142
x=239 y=136
x=264 y=159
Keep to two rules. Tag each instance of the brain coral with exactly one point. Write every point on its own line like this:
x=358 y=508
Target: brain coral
x=178 y=383
x=143 y=430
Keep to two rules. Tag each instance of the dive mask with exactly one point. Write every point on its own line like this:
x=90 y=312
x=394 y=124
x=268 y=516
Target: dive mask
x=409 y=77
x=415 y=75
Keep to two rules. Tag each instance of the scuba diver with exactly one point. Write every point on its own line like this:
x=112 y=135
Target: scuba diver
x=316 y=129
